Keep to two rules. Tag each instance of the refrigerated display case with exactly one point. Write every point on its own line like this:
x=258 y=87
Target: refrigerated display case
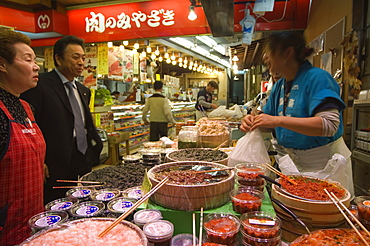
x=360 y=146
x=128 y=118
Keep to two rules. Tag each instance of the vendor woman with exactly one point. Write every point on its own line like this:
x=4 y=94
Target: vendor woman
x=304 y=108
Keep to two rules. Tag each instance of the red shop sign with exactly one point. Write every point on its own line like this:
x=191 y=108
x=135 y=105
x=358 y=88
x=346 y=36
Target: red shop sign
x=159 y=18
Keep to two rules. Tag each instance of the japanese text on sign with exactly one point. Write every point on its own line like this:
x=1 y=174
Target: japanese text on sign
x=99 y=23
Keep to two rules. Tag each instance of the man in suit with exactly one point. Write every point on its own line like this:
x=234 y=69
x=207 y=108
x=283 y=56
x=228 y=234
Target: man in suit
x=57 y=115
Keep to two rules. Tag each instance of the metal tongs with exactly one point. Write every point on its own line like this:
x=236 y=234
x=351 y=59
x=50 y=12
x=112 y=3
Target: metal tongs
x=291 y=213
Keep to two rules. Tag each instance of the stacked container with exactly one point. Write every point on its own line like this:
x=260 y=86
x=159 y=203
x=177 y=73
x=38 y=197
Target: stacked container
x=363 y=209
x=247 y=175
x=260 y=228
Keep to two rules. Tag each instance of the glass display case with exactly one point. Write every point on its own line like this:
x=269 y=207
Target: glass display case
x=360 y=146
x=128 y=118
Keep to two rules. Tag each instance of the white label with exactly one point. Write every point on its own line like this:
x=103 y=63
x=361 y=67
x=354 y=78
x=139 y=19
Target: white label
x=261 y=222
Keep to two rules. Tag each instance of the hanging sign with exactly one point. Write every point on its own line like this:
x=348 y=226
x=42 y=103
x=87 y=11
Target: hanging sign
x=102 y=67
x=135 y=20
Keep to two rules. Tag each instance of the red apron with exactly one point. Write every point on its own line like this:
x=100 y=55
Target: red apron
x=21 y=177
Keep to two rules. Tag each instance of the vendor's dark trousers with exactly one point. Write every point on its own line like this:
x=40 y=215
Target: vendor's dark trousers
x=157 y=130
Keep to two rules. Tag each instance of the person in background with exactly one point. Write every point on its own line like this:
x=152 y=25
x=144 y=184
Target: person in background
x=204 y=100
x=160 y=113
x=62 y=112
x=304 y=108
x=22 y=146
x=118 y=96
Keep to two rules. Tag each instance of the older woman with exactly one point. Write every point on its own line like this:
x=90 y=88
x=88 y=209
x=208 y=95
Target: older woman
x=22 y=146
x=304 y=108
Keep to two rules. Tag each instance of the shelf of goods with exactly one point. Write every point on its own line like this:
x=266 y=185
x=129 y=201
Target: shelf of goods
x=360 y=145
x=128 y=118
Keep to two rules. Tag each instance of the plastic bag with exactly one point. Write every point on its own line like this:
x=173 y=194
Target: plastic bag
x=337 y=169
x=221 y=111
x=249 y=148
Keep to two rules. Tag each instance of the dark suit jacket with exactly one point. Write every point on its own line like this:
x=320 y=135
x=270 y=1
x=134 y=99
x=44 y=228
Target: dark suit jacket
x=54 y=116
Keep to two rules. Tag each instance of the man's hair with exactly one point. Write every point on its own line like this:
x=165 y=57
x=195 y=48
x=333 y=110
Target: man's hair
x=61 y=45
x=8 y=39
x=158 y=85
x=115 y=93
x=213 y=84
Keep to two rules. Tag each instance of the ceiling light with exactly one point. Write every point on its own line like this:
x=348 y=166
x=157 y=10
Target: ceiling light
x=185 y=66
x=121 y=48
x=174 y=62
x=168 y=60
x=153 y=56
x=235 y=58
x=134 y=51
x=148 y=49
x=192 y=15
x=180 y=64
x=160 y=58
x=143 y=54
x=136 y=45
x=156 y=52
x=110 y=44
x=166 y=55
x=125 y=43
x=173 y=57
x=180 y=59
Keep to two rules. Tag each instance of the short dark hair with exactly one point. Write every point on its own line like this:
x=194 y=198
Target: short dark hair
x=115 y=93
x=158 y=85
x=8 y=38
x=280 y=41
x=213 y=84
x=61 y=45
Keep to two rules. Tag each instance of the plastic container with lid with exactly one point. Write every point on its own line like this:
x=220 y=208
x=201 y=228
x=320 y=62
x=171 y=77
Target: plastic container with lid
x=247 y=174
x=255 y=241
x=87 y=209
x=255 y=187
x=159 y=232
x=81 y=193
x=61 y=204
x=132 y=159
x=221 y=228
x=260 y=224
x=47 y=219
x=145 y=216
x=120 y=205
x=133 y=192
x=184 y=240
x=246 y=200
x=188 y=137
x=105 y=195
x=363 y=206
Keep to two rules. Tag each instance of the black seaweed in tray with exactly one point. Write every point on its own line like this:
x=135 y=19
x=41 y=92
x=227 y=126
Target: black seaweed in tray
x=120 y=177
x=198 y=155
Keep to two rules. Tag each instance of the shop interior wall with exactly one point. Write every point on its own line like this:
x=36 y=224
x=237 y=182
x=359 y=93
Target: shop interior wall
x=333 y=19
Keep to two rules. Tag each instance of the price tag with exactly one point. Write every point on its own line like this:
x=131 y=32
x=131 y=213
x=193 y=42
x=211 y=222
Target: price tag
x=262 y=222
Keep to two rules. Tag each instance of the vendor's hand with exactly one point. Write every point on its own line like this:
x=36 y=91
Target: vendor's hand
x=265 y=120
x=214 y=106
x=46 y=172
x=247 y=123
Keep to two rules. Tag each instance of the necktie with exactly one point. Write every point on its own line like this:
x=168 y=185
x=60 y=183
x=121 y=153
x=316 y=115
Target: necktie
x=78 y=123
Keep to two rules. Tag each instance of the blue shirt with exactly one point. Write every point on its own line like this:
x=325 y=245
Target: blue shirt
x=311 y=87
